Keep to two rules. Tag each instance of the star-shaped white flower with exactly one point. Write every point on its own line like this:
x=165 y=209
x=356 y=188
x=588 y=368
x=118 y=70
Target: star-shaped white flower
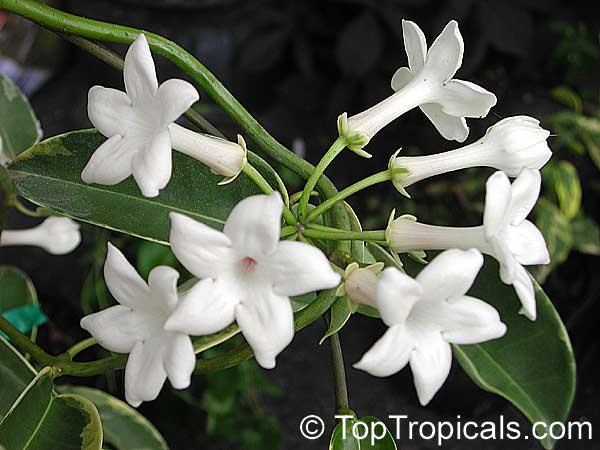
x=136 y=123
x=56 y=235
x=247 y=275
x=514 y=241
x=427 y=314
x=136 y=326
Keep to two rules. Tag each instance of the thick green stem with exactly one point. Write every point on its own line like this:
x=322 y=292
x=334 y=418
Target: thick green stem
x=334 y=234
x=339 y=374
x=350 y=190
x=23 y=343
x=327 y=159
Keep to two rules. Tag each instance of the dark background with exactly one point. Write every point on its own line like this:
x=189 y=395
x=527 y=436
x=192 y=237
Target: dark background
x=296 y=65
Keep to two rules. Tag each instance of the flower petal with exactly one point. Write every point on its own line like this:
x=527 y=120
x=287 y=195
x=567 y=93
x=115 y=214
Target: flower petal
x=162 y=282
x=524 y=287
x=123 y=282
x=117 y=328
x=297 y=268
x=152 y=166
x=401 y=78
x=267 y=323
x=396 y=295
x=202 y=250
x=254 y=224
x=415 y=45
x=450 y=127
x=467 y=320
x=497 y=199
x=430 y=363
x=465 y=99
x=110 y=111
x=524 y=194
x=205 y=309
x=446 y=53
x=139 y=72
x=527 y=244
x=450 y=274
x=179 y=360
x=175 y=97
x=144 y=372
x=389 y=354
x=112 y=162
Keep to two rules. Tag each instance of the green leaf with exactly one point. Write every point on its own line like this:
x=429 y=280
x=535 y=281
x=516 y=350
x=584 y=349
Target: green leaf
x=533 y=365
x=381 y=254
x=594 y=151
x=568 y=97
x=18 y=301
x=568 y=189
x=48 y=174
x=586 y=235
x=341 y=310
x=372 y=432
x=42 y=420
x=556 y=230
x=124 y=428
x=15 y=374
x=19 y=128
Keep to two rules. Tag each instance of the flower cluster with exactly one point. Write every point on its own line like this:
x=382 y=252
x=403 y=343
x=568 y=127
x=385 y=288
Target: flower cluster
x=247 y=274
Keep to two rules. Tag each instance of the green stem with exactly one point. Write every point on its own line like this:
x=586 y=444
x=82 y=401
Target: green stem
x=23 y=343
x=328 y=157
x=334 y=234
x=350 y=190
x=39 y=212
x=81 y=346
x=264 y=186
x=339 y=374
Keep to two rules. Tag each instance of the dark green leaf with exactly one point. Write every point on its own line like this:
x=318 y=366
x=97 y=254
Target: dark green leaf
x=533 y=365
x=18 y=301
x=124 y=428
x=341 y=311
x=48 y=174
x=15 y=374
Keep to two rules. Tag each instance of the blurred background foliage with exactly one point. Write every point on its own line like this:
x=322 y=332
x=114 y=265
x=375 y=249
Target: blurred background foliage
x=297 y=65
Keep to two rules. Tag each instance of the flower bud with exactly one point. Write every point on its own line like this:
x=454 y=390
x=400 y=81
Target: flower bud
x=56 y=235
x=360 y=284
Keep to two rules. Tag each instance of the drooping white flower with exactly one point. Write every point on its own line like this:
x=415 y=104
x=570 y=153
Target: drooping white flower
x=360 y=284
x=510 y=145
x=141 y=132
x=247 y=275
x=428 y=83
x=135 y=326
x=56 y=235
x=427 y=314
x=505 y=234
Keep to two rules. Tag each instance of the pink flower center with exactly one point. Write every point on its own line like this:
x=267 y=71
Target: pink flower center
x=248 y=263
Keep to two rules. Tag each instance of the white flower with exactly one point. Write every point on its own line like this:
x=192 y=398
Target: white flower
x=360 y=284
x=427 y=83
x=135 y=326
x=247 y=275
x=427 y=314
x=56 y=235
x=505 y=234
x=510 y=145
x=141 y=132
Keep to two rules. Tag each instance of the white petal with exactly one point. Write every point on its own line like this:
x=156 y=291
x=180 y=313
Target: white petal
x=205 y=309
x=524 y=287
x=527 y=244
x=450 y=274
x=110 y=111
x=267 y=323
x=524 y=194
x=446 y=53
x=508 y=263
x=401 y=78
x=415 y=45
x=204 y=251
x=389 y=354
x=430 y=363
x=152 y=166
x=162 y=282
x=123 y=282
x=175 y=97
x=144 y=372
x=112 y=162
x=465 y=99
x=139 y=72
x=179 y=360
x=254 y=224
x=497 y=199
x=116 y=328
x=450 y=127
x=297 y=268
x=467 y=320
x=396 y=295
